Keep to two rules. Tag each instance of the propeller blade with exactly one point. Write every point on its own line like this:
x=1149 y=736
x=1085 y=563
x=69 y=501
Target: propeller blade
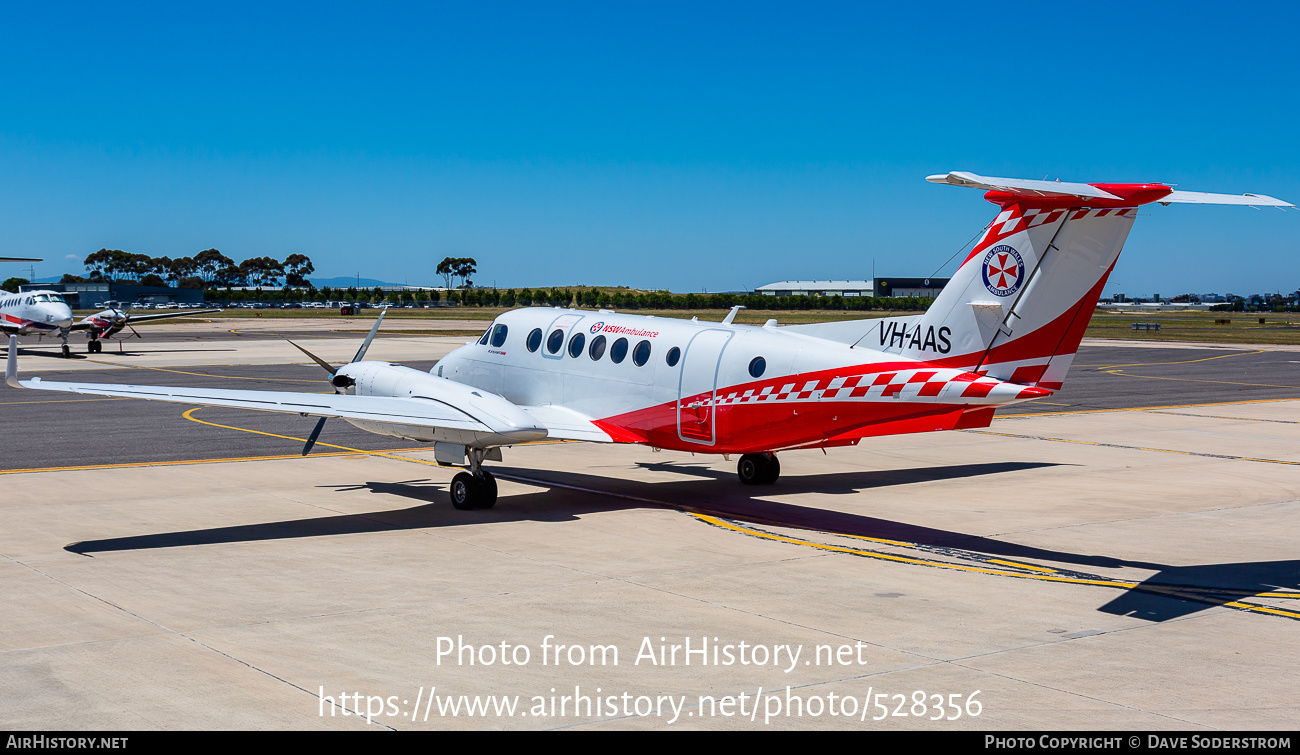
x=328 y=367
x=135 y=332
x=366 y=344
x=315 y=433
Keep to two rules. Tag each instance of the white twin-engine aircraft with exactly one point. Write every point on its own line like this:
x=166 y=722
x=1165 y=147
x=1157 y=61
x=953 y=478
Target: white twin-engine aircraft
x=45 y=313
x=1005 y=329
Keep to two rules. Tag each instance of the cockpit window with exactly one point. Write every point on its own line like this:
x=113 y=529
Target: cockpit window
x=58 y=298
x=499 y=335
x=42 y=297
x=486 y=333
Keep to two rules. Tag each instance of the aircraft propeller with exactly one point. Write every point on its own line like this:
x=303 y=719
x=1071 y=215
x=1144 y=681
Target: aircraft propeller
x=340 y=382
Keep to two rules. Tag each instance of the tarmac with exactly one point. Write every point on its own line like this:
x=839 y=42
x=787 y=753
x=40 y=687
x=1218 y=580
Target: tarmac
x=1120 y=556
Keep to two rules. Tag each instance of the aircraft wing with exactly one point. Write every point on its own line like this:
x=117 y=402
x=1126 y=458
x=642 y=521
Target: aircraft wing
x=137 y=319
x=8 y=327
x=566 y=424
x=490 y=423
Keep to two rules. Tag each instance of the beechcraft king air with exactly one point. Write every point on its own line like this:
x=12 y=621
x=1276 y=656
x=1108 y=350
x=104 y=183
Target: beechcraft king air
x=45 y=313
x=1005 y=329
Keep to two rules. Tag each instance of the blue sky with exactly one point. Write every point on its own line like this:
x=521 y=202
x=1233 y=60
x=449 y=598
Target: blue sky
x=684 y=146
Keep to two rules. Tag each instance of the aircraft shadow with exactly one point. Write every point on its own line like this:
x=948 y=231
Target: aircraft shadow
x=1211 y=584
x=718 y=493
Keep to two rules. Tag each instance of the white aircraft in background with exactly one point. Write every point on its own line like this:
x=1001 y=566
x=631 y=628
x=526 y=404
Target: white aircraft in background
x=109 y=322
x=1005 y=329
x=45 y=313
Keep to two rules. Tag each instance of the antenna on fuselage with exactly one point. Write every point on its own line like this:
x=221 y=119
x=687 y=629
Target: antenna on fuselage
x=731 y=316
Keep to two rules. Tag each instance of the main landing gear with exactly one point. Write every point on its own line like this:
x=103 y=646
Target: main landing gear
x=759 y=469
x=477 y=488
x=94 y=346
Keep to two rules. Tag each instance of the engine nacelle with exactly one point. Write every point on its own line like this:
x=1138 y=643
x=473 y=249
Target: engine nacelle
x=508 y=423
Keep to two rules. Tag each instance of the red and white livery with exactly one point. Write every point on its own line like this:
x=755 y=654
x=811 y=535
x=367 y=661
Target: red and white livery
x=1005 y=329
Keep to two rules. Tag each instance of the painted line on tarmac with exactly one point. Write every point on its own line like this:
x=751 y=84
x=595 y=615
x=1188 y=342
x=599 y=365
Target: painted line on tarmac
x=60 y=401
x=1186 y=361
x=207 y=374
x=1197 y=594
x=1215 y=416
x=177 y=462
x=1144 y=408
x=1023 y=571
x=1136 y=448
x=1122 y=373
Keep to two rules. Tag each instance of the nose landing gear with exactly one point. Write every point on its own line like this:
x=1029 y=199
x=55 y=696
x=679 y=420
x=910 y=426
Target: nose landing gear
x=758 y=469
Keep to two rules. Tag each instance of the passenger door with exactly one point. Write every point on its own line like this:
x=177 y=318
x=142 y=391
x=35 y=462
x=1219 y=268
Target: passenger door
x=697 y=387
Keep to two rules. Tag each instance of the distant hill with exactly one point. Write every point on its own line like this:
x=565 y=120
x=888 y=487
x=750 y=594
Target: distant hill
x=345 y=281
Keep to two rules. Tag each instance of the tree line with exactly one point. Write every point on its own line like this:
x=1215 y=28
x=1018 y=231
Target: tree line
x=207 y=269
x=592 y=298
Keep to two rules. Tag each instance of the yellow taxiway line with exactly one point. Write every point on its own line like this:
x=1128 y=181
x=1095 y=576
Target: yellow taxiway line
x=1116 y=583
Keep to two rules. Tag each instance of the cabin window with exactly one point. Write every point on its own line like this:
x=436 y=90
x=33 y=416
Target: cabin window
x=554 y=341
x=674 y=354
x=499 y=335
x=756 y=367
x=534 y=339
x=641 y=354
x=618 y=352
x=576 y=343
x=597 y=349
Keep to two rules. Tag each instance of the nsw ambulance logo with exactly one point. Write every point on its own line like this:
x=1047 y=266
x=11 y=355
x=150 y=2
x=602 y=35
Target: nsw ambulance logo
x=597 y=327
x=1003 y=270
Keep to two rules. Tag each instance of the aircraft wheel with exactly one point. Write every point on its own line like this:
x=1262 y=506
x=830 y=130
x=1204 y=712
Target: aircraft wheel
x=750 y=469
x=772 y=469
x=487 y=491
x=464 y=491
x=67 y=352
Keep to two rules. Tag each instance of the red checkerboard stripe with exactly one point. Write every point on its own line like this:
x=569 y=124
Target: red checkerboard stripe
x=929 y=384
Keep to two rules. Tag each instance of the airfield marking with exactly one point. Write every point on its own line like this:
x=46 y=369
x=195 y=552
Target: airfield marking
x=177 y=462
x=1122 y=373
x=1144 y=408
x=206 y=374
x=1193 y=593
x=1215 y=416
x=1186 y=361
x=59 y=401
x=1196 y=594
x=1135 y=448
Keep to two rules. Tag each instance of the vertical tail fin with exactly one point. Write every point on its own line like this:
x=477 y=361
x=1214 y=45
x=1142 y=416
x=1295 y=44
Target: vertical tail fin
x=1017 y=307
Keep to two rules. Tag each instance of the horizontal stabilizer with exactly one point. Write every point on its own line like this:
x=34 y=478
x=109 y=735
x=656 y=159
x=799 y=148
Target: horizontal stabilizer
x=1198 y=197
x=1021 y=186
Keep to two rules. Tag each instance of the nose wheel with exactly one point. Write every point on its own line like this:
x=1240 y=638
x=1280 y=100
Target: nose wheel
x=758 y=469
x=67 y=352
